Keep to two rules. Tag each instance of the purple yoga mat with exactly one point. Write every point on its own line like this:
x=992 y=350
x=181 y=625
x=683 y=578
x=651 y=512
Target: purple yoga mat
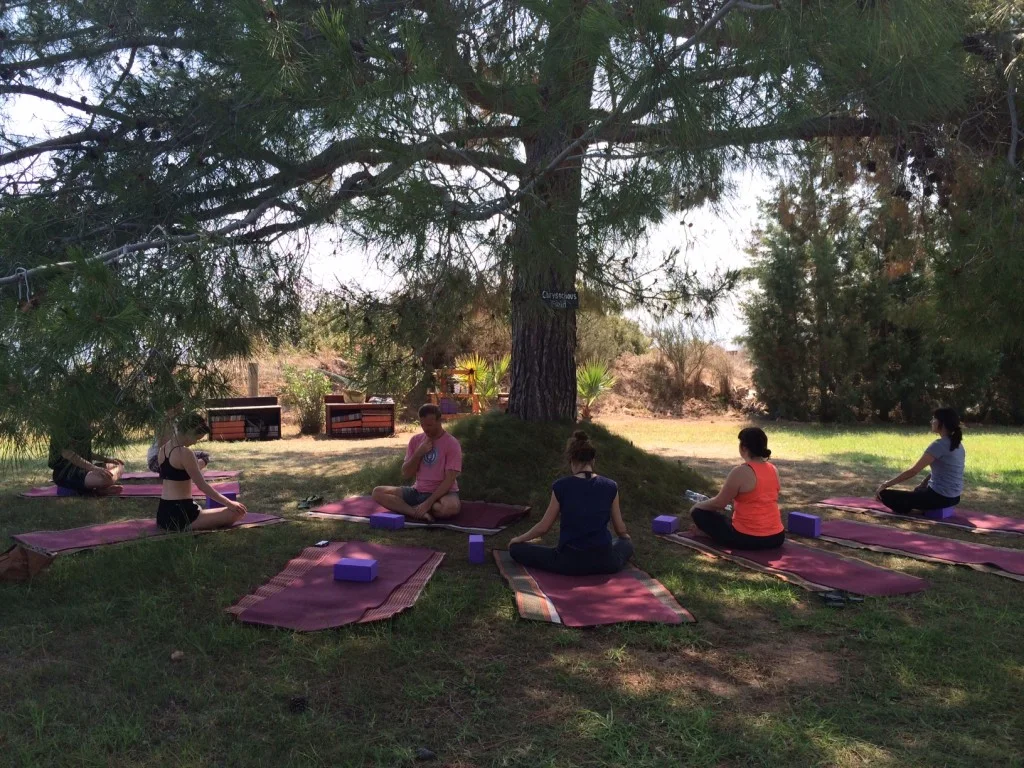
x=924 y=546
x=134 y=491
x=812 y=568
x=92 y=536
x=962 y=518
x=209 y=474
x=305 y=596
x=590 y=601
x=474 y=516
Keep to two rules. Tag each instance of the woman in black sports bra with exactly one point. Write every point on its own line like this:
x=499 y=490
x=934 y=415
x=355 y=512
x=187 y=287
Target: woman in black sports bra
x=179 y=469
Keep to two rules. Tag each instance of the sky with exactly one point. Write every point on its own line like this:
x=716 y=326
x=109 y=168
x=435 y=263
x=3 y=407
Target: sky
x=716 y=240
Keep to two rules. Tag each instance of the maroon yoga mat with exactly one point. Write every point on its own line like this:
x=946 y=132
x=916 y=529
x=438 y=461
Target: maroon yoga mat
x=474 y=516
x=305 y=596
x=149 y=491
x=91 y=536
x=998 y=560
x=209 y=474
x=811 y=568
x=590 y=601
x=962 y=518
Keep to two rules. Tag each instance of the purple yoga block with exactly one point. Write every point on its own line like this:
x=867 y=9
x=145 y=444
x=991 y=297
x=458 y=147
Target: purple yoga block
x=355 y=569
x=387 y=520
x=212 y=503
x=476 y=548
x=62 y=491
x=665 y=524
x=803 y=524
x=940 y=514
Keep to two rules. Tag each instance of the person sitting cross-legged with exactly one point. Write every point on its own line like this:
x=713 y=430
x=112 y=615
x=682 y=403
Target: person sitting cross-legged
x=77 y=468
x=434 y=459
x=179 y=469
x=586 y=503
x=753 y=487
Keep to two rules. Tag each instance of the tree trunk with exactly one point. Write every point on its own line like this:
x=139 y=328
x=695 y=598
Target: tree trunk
x=545 y=243
x=544 y=258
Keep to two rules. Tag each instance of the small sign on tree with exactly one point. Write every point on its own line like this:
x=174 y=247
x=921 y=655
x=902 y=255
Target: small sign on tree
x=561 y=299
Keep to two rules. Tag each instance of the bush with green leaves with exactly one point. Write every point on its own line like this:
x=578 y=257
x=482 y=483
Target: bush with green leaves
x=487 y=377
x=304 y=390
x=593 y=379
x=608 y=337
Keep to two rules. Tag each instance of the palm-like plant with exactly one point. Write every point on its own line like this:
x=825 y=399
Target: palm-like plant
x=593 y=379
x=485 y=377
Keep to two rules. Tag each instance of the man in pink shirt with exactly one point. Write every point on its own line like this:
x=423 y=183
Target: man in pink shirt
x=434 y=458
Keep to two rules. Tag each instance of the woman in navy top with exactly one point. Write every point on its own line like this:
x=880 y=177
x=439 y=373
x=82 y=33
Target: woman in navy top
x=946 y=457
x=586 y=504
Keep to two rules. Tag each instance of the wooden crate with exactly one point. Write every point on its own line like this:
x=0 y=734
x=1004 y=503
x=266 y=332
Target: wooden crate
x=244 y=418
x=351 y=420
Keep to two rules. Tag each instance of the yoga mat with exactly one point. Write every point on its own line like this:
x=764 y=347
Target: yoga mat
x=978 y=522
x=305 y=597
x=590 y=601
x=91 y=536
x=474 y=516
x=141 y=491
x=811 y=568
x=922 y=546
x=209 y=474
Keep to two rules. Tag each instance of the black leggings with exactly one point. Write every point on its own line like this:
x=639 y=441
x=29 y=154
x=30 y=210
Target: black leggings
x=574 y=562
x=905 y=502
x=719 y=527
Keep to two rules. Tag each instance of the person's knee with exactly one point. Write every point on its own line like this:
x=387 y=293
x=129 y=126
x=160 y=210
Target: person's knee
x=378 y=493
x=445 y=508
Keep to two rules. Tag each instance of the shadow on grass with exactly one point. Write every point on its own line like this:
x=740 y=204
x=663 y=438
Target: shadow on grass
x=768 y=677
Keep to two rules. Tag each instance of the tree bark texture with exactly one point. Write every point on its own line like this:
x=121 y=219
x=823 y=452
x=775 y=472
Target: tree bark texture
x=545 y=242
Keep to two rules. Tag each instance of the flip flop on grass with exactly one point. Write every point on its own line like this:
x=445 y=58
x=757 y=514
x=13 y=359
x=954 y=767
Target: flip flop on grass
x=310 y=501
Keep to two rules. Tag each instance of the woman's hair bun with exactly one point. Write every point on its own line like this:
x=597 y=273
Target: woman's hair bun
x=580 y=436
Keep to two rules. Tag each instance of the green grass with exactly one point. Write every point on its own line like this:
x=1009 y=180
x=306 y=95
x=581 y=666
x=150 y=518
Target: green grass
x=994 y=464
x=768 y=677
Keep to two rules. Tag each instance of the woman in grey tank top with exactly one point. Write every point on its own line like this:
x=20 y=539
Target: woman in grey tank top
x=946 y=457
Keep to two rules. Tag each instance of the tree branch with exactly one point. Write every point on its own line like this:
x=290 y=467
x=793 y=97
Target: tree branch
x=145 y=41
x=39 y=93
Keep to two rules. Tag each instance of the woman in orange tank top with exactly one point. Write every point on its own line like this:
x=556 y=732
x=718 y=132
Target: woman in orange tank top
x=753 y=488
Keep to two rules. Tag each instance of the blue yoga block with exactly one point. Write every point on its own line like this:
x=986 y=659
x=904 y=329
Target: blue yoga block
x=803 y=524
x=355 y=569
x=476 y=548
x=665 y=524
x=62 y=491
x=940 y=514
x=213 y=503
x=387 y=520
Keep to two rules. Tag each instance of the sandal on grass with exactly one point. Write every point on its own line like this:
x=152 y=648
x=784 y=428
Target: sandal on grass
x=309 y=501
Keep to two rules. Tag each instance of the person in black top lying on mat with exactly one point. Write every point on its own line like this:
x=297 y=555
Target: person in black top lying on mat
x=946 y=457
x=76 y=467
x=178 y=469
x=586 y=503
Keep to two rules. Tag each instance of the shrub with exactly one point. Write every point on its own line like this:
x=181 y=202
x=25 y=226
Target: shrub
x=593 y=379
x=605 y=338
x=305 y=390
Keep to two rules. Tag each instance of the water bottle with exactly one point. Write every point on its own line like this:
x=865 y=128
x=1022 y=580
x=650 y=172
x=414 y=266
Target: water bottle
x=695 y=497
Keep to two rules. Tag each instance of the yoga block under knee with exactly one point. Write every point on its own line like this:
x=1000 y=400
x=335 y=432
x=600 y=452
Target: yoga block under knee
x=62 y=491
x=940 y=514
x=212 y=503
x=665 y=524
x=387 y=520
x=355 y=569
x=476 y=548
x=803 y=524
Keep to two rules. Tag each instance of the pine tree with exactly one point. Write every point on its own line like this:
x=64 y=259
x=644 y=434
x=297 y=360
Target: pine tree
x=537 y=140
